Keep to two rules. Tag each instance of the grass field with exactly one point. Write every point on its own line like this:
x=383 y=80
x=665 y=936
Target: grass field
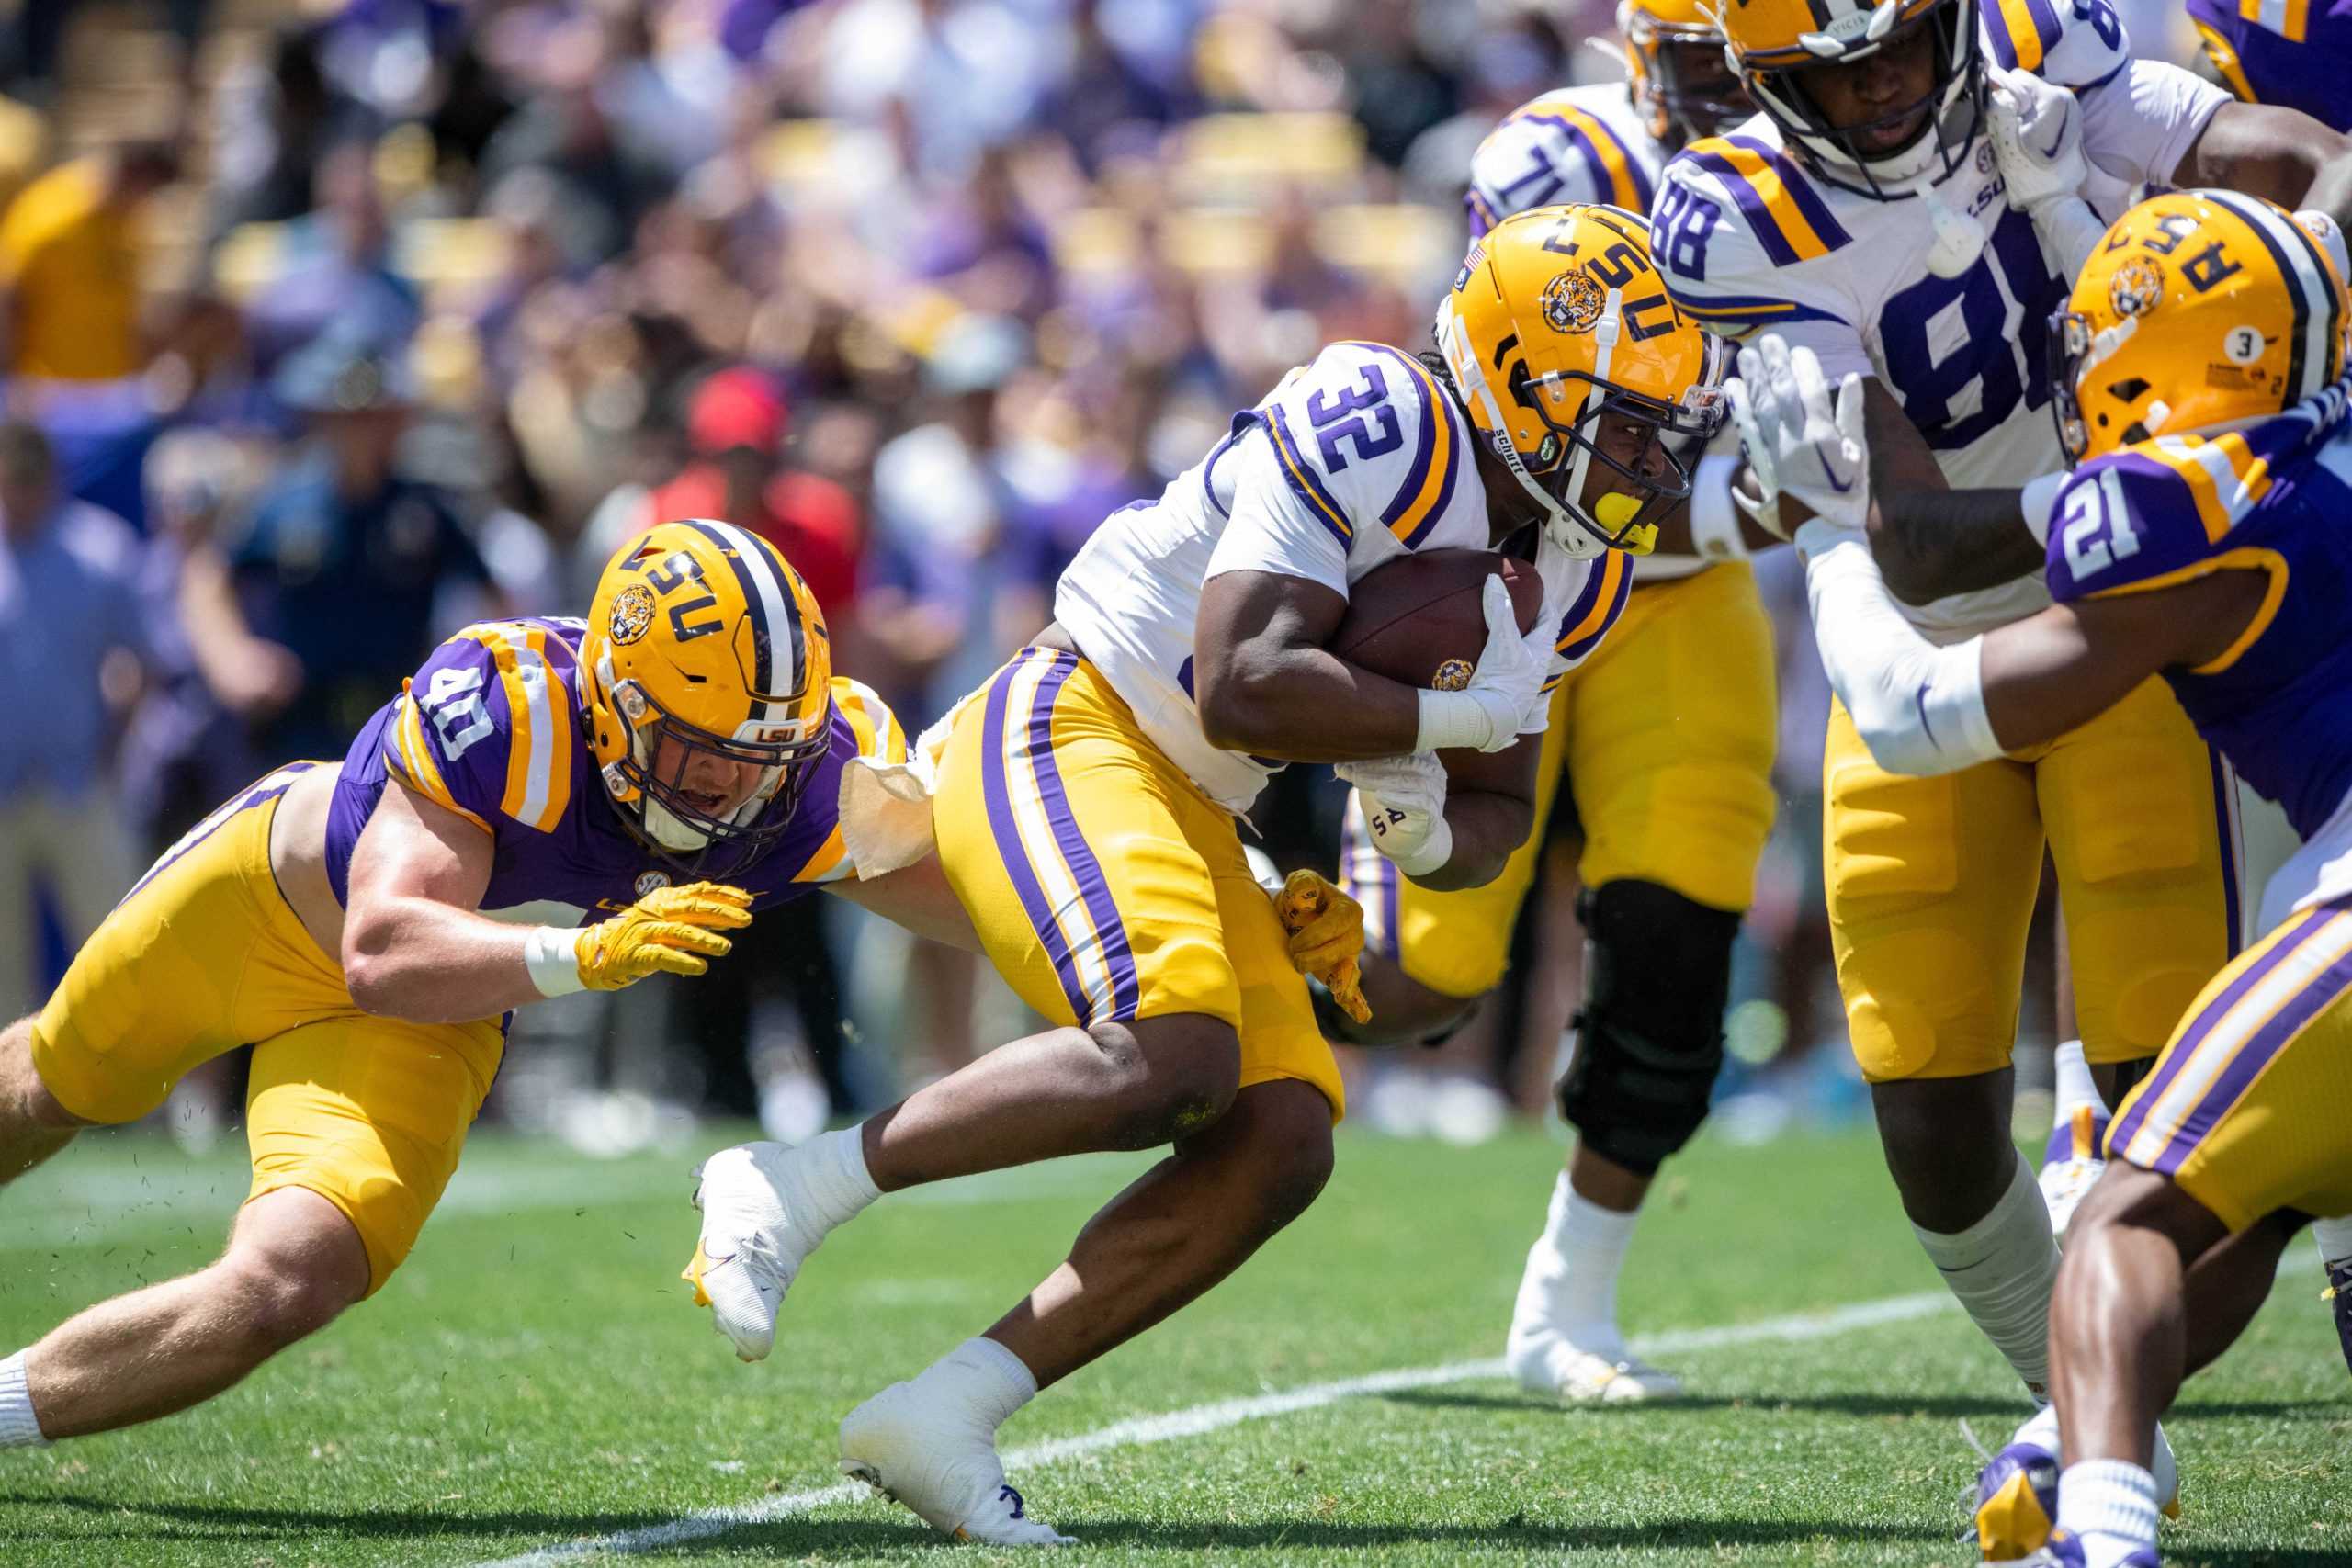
x=536 y=1376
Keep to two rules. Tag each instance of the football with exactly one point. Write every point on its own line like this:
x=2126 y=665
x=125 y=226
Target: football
x=1419 y=620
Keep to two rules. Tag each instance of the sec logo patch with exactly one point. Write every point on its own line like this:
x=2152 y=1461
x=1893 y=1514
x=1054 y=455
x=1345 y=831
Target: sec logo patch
x=652 y=880
x=632 y=613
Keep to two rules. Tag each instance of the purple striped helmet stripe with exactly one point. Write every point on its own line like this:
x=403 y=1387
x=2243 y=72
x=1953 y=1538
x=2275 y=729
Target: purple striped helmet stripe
x=1006 y=830
x=1118 y=955
x=2258 y=1051
x=2168 y=1067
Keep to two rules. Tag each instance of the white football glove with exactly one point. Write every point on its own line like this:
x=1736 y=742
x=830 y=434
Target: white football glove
x=1819 y=454
x=1404 y=809
x=1506 y=691
x=2036 y=130
x=1759 y=497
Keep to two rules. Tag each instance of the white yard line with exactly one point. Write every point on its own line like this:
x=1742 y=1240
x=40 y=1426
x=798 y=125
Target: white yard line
x=705 y=1523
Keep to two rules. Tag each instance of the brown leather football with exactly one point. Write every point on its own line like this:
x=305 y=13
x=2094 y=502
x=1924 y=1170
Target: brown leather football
x=1419 y=620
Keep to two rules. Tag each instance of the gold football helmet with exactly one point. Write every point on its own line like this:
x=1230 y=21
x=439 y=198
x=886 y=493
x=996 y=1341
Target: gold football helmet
x=701 y=633
x=1773 y=42
x=2201 y=310
x=1674 y=109
x=1556 y=322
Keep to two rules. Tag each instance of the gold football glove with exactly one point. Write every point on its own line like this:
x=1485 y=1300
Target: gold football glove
x=670 y=928
x=1325 y=931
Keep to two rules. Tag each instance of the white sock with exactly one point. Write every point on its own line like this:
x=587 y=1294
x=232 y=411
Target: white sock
x=18 y=1426
x=2076 y=1086
x=2002 y=1269
x=983 y=1378
x=2111 y=1505
x=838 y=1179
x=1573 y=1267
x=2335 y=1238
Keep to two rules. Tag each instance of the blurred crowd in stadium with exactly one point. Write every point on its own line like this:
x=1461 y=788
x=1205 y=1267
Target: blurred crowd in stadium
x=329 y=328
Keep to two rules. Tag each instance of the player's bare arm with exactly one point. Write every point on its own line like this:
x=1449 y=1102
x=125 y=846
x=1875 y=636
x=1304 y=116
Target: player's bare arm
x=2281 y=154
x=415 y=946
x=1268 y=686
x=918 y=898
x=413 y=943
x=1491 y=807
x=1931 y=540
x=2054 y=672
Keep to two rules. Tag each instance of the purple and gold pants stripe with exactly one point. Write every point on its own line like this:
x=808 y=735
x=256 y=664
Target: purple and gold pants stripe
x=2268 y=997
x=1054 y=872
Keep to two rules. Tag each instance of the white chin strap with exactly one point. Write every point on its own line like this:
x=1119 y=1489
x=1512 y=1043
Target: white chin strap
x=1569 y=519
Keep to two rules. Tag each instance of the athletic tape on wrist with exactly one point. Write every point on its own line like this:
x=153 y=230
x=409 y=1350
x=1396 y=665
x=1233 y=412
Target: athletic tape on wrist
x=1715 y=522
x=553 y=956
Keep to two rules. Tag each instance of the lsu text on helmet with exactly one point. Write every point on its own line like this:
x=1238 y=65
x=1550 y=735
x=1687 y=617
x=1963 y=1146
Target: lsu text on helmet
x=1559 y=337
x=703 y=643
x=2201 y=310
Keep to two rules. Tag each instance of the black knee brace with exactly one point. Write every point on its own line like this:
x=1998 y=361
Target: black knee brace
x=1650 y=1035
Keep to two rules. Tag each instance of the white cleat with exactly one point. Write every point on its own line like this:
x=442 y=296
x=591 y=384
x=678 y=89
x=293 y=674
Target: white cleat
x=759 y=1225
x=923 y=1457
x=1546 y=1364
x=2071 y=1166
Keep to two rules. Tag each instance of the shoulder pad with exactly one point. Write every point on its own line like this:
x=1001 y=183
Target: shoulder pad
x=1366 y=437
x=487 y=726
x=1744 y=240
x=881 y=736
x=1592 y=610
x=2149 y=515
x=1551 y=149
x=2074 y=43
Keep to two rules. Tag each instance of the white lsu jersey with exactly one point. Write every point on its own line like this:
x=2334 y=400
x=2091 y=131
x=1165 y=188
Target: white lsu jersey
x=1748 y=237
x=1352 y=462
x=1574 y=145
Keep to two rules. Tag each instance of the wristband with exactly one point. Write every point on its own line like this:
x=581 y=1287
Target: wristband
x=1715 y=522
x=1435 y=850
x=2070 y=228
x=1451 y=720
x=553 y=956
x=2035 y=502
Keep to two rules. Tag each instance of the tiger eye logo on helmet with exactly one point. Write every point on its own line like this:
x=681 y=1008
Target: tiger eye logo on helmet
x=2138 y=288
x=632 y=613
x=1573 y=303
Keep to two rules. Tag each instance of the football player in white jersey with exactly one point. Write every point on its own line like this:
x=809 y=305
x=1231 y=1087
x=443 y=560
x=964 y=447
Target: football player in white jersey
x=1664 y=743
x=1863 y=215
x=1085 y=806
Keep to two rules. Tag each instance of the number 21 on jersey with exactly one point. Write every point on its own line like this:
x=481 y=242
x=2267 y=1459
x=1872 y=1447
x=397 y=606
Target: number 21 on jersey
x=2096 y=531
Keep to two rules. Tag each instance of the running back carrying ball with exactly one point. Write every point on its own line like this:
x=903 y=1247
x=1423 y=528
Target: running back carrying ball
x=1418 y=621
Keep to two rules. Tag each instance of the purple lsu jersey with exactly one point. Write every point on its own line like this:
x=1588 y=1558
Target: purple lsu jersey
x=492 y=728
x=2274 y=498
x=2295 y=54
